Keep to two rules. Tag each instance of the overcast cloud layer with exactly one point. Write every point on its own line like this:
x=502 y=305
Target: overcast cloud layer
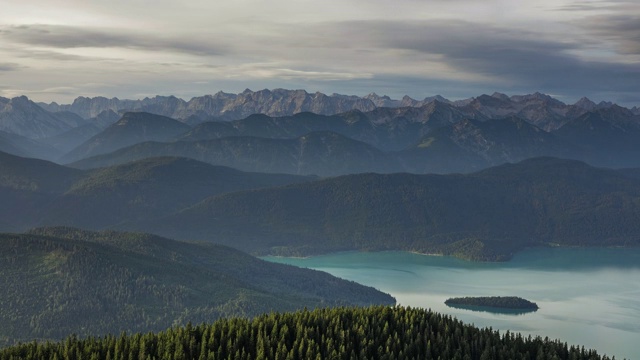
x=56 y=50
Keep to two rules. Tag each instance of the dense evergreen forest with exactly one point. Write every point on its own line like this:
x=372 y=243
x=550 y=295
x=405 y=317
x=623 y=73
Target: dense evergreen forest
x=59 y=281
x=340 y=333
x=508 y=302
x=488 y=215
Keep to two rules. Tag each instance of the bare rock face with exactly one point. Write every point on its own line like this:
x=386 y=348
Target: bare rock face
x=225 y=106
x=538 y=109
x=23 y=117
x=280 y=102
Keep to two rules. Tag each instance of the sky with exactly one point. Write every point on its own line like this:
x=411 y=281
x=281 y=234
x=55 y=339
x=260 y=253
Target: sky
x=56 y=50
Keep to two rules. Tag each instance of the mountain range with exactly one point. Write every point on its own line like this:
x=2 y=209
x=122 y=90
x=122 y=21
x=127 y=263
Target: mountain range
x=483 y=215
x=433 y=135
x=432 y=139
x=282 y=102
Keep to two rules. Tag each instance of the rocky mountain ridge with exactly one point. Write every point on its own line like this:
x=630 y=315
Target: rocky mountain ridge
x=281 y=102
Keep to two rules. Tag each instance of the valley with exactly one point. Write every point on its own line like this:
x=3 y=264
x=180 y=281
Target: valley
x=585 y=295
x=137 y=216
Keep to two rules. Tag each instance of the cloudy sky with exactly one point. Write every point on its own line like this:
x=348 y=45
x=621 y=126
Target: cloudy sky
x=56 y=50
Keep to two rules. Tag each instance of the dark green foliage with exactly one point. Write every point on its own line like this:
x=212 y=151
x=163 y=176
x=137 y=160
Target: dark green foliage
x=483 y=216
x=149 y=188
x=339 y=333
x=509 y=302
x=59 y=281
x=36 y=192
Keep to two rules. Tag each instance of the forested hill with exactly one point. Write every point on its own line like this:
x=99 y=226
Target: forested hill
x=340 y=333
x=39 y=193
x=486 y=215
x=61 y=281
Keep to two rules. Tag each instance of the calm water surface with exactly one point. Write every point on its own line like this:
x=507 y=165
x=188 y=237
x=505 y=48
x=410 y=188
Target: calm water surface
x=587 y=297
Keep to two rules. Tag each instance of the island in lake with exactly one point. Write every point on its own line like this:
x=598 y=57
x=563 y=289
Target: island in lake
x=495 y=304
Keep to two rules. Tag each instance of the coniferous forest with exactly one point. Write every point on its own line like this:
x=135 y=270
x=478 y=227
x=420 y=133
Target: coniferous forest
x=379 y=332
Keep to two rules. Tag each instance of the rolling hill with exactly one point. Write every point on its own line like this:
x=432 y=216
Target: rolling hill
x=36 y=192
x=486 y=215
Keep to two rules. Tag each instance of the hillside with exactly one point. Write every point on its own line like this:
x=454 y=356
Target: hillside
x=62 y=281
x=486 y=215
x=604 y=137
x=471 y=145
x=25 y=147
x=36 y=192
x=149 y=188
x=317 y=153
x=23 y=117
x=435 y=138
x=131 y=129
x=343 y=333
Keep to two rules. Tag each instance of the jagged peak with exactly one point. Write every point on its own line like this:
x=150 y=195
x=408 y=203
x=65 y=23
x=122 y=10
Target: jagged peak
x=605 y=104
x=585 y=103
x=500 y=96
x=440 y=98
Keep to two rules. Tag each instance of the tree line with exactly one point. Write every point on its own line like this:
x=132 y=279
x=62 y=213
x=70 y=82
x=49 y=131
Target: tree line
x=378 y=332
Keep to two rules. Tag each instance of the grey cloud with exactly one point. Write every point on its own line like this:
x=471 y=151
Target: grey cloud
x=623 y=29
x=9 y=67
x=518 y=58
x=57 y=36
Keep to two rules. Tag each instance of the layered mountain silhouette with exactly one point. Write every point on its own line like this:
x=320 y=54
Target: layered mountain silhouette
x=37 y=192
x=429 y=135
x=318 y=153
x=23 y=117
x=132 y=128
x=483 y=215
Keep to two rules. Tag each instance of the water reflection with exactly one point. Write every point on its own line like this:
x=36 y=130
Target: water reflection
x=493 y=310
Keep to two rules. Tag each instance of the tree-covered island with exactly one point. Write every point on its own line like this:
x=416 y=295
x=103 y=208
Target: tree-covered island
x=498 y=302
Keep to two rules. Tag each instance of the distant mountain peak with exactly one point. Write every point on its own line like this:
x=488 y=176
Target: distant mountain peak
x=585 y=103
x=500 y=96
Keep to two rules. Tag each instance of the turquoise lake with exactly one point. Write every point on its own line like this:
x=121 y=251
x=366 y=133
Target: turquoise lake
x=587 y=297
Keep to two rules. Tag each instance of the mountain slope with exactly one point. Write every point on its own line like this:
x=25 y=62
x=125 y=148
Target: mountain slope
x=149 y=188
x=485 y=215
x=131 y=129
x=379 y=332
x=319 y=153
x=27 y=186
x=473 y=145
x=59 y=281
x=25 y=147
x=388 y=129
x=604 y=137
x=35 y=192
x=23 y=117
